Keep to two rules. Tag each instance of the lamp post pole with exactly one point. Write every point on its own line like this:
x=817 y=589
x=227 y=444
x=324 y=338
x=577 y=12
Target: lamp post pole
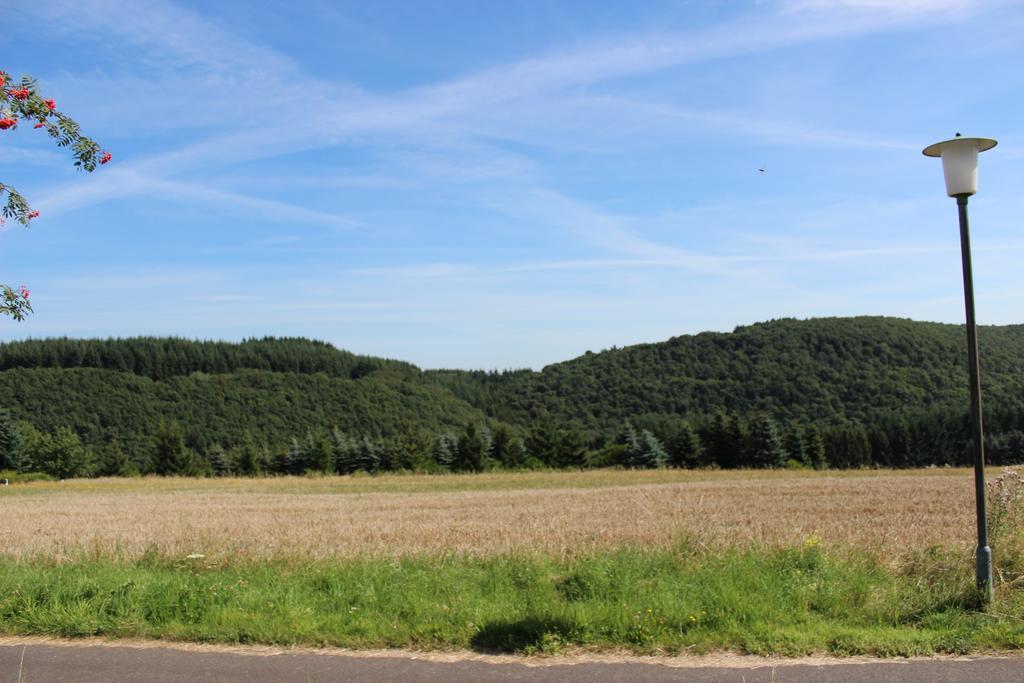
x=983 y=555
x=960 y=168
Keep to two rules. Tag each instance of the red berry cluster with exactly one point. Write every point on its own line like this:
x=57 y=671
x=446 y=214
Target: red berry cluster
x=19 y=93
x=23 y=290
x=107 y=156
x=33 y=214
x=51 y=104
x=7 y=122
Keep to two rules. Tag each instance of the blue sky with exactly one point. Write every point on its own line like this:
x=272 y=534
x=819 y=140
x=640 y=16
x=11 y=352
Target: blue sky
x=509 y=184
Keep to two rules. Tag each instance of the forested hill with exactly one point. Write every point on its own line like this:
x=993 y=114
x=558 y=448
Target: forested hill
x=162 y=357
x=826 y=372
x=825 y=369
x=273 y=390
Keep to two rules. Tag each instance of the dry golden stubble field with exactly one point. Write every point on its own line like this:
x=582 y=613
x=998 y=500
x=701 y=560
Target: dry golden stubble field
x=557 y=513
x=561 y=514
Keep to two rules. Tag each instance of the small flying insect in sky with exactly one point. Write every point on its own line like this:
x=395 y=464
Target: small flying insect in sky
x=761 y=171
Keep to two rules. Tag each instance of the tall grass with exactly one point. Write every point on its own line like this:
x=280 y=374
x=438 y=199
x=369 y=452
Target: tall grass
x=787 y=601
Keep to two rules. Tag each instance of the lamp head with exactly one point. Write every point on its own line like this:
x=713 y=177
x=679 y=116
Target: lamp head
x=960 y=162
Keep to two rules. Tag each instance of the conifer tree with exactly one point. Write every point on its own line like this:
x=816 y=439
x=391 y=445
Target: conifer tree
x=644 y=451
x=415 y=448
x=321 y=457
x=8 y=441
x=542 y=442
x=297 y=458
x=571 y=446
x=652 y=452
x=516 y=455
x=815 y=447
x=471 y=450
x=169 y=454
x=793 y=442
x=881 y=449
x=28 y=443
x=848 y=446
x=766 y=449
x=275 y=460
x=901 y=441
x=249 y=457
x=444 y=450
x=725 y=441
x=684 y=450
x=368 y=456
x=113 y=461
x=345 y=452
x=506 y=448
x=218 y=459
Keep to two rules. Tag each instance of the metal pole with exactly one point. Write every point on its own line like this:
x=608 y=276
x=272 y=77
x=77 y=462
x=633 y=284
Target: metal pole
x=983 y=562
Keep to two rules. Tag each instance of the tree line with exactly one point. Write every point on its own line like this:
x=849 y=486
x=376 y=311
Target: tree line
x=724 y=441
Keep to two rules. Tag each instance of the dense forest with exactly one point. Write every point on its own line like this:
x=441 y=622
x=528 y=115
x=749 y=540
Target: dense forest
x=833 y=392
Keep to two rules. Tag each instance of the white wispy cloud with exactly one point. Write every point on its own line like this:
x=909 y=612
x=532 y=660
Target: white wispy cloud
x=19 y=156
x=882 y=8
x=253 y=76
x=267 y=208
x=178 y=278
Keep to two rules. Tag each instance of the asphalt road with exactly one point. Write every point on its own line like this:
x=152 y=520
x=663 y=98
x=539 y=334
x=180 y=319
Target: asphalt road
x=41 y=663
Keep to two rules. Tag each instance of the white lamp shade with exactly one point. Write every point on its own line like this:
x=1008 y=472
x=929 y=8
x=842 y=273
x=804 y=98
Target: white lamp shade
x=960 y=162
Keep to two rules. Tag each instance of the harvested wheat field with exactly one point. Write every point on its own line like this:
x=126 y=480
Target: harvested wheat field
x=564 y=515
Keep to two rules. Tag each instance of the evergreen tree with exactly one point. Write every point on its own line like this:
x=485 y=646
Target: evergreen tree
x=881 y=447
x=506 y=448
x=645 y=451
x=1006 y=448
x=28 y=448
x=321 y=456
x=416 y=449
x=904 y=453
x=169 y=454
x=725 y=441
x=368 y=456
x=346 y=451
x=218 y=459
x=444 y=450
x=571 y=447
x=684 y=450
x=114 y=462
x=814 y=446
x=626 y=436
x=542 y=442
x=248 y=457
x=516 y=455
x=766 y=449
x=793 y=443
x=8 y=441
x=298 y=457
x=394 y=455
x=470 y=450
x=276 y=461
x=848 y=446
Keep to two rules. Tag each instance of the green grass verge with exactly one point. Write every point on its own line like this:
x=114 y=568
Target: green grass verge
x=786 y=602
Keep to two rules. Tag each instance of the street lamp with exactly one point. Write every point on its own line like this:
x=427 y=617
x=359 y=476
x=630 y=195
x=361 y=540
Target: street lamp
x=960 y=168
